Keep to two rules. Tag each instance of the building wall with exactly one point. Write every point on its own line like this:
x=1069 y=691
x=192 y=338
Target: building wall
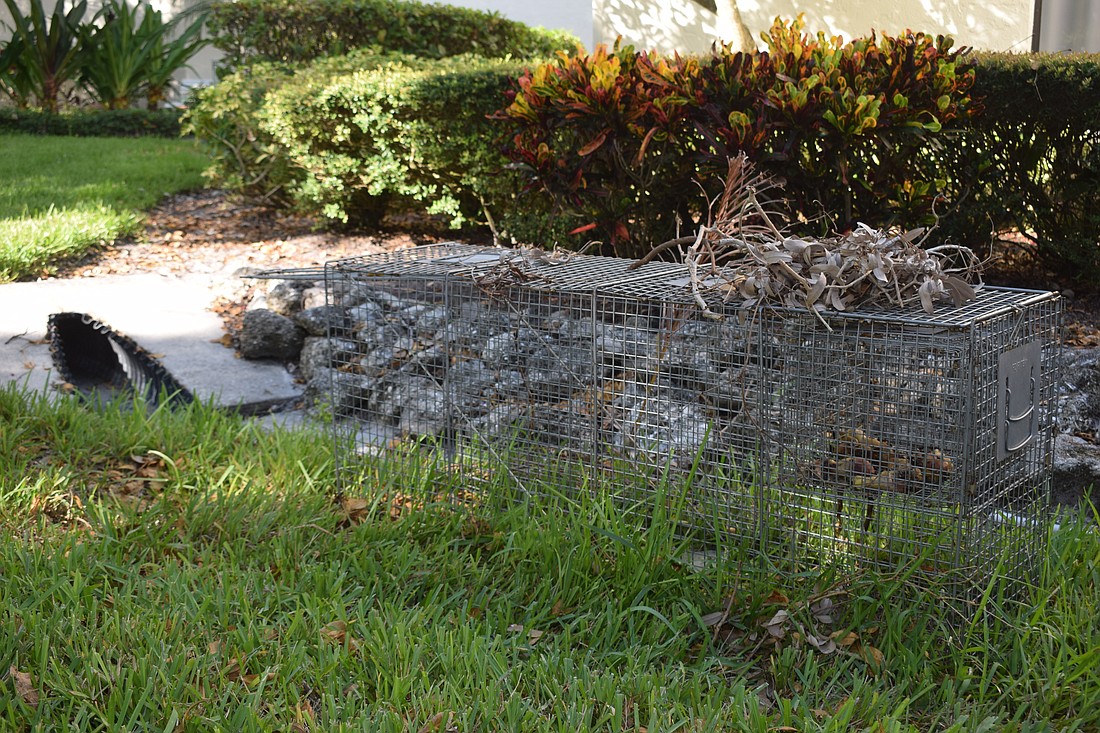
x=1070 y=25
x=687 y=25
x=574 y=16
x=661 y=25
x=694 y=25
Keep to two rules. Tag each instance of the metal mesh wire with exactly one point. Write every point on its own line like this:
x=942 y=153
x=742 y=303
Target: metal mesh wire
x=885 y=438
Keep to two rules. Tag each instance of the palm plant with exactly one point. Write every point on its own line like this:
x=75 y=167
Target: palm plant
x=171 y=53
x=13 y=82
x=114 y=55
x=46 y=51
x=131 y=51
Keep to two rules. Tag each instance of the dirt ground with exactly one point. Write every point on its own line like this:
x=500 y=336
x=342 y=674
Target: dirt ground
x=209 y=231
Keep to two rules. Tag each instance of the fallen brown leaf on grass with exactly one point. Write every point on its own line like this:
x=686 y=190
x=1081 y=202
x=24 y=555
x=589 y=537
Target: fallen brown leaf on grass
x=844 y=639
x=24 y=687
x=851 y=643
x=401 y=505
x=823 y=611
x=776 y=626
x=303 y=717
x=354 y=511
x=434 y=723
x=235 y=672
x=337 y=632
x=869 y=654
x=777 y=597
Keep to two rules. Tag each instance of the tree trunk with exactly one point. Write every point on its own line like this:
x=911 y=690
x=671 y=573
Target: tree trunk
x=731 y=27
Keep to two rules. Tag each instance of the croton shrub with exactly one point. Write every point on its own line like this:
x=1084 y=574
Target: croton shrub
x=630 y=146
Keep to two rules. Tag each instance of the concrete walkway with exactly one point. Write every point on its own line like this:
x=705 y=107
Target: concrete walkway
x=167 y=315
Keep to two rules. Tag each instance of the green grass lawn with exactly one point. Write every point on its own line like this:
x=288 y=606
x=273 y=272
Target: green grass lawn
x=63 y=196
x=191 y=572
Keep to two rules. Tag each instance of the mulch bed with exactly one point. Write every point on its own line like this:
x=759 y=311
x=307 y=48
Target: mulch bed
x=210 y=232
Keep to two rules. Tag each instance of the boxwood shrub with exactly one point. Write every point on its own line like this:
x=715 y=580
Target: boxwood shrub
x=92 y=123
x=299 y=31
x=348 y=138
x=1030 y=160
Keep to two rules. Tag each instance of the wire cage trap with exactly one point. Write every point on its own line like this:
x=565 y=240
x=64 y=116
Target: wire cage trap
x=875 y=438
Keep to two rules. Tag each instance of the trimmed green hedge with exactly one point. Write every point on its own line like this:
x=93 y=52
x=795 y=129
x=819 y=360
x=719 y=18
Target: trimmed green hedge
x=350 y=138
x=226 y=119
x=92 y=123
x=1030 y=160
x=298 y=31
x=395 y=133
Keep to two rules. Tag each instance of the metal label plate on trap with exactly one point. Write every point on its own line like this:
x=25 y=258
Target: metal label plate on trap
x=1018 y=381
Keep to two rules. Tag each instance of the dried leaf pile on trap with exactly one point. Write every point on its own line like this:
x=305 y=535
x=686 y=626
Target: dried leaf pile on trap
x=743 y=254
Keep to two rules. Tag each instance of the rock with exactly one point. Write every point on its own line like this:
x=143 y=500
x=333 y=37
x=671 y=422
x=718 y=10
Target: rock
x=547 y=385
x=351 y=293
x=322 y=353
x=1076 y=470
x=510 y=384
x=267 y=335
x=378 y=334
x=499 y=350
x=388 y=300
x=1079 y=401
x=622 y=347
x=314 y=297
x=1077 y=460
x=344 y=393
x=563 y=427
x=541 y=425
x=430 y=361
x=285 y=298
x=318 y=321
x=424 y=413
x=469 y=386
x=689 y=367
x=676 y=431
x=238 y=287
x=498 y=423
x=429 y=321
x=513 y=348
x=367 y=313
x=416 y=404
x=378 y=361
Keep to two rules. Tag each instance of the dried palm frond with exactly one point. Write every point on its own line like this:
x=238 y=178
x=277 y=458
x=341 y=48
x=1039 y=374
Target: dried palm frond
x=743 y=254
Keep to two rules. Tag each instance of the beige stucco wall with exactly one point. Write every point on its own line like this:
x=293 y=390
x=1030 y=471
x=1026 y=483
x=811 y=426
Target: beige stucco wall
x=661 y=25
x=996 y=25
x=688 y=26
x=574 y=16
x=992 y=25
